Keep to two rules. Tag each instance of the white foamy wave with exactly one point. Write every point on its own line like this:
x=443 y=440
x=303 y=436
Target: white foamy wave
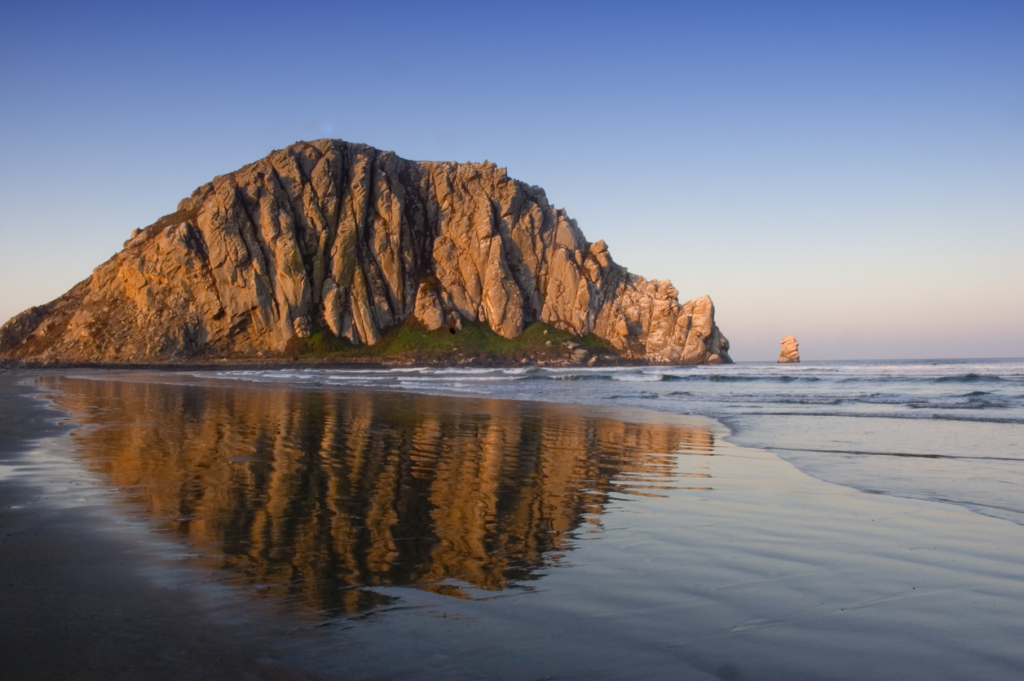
x=940 y=390
x=637 y=378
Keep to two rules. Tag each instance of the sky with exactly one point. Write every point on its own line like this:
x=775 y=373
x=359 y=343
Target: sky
x=848 y=172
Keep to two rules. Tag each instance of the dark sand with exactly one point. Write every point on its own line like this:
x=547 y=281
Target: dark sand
x=74 y=600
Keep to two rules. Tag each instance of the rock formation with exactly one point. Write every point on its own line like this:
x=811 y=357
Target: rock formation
x=342 y=236
x=790 y=351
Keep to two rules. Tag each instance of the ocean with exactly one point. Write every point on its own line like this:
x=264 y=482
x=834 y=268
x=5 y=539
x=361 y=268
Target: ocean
x=827 y=520
x=950 y=431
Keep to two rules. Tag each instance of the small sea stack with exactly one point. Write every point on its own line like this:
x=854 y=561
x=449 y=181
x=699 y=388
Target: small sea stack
x=790 y=351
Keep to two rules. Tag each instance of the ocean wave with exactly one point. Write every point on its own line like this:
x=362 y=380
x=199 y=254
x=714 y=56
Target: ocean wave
x=770 y=378
x=572 y=377
x=479 y=378
x=956 y=403
x=908 y=415
x=638 y=378
x=811 y=400
x=633 y=396
x=985 y=391
x=969 y=378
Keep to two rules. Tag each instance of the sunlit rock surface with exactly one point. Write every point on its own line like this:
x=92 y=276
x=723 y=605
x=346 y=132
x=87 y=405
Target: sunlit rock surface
x=790 y=353
x=342 y=236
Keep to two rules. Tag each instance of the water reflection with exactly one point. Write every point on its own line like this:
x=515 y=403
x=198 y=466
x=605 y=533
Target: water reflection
x=315 y=496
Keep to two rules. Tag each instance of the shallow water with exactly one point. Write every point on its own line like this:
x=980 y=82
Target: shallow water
x=972 y=390
x=423 y=536
x=943 y=430
x=315 y=495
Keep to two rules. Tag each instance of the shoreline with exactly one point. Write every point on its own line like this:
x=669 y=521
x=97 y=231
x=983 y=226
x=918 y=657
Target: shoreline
x=74 y=583
x=738 y=429
x=136 y=623
x=268 y=364
x=933 y=440
x=284 y=362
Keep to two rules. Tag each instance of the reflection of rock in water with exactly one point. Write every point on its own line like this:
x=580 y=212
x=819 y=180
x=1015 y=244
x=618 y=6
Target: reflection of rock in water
x=312 y=493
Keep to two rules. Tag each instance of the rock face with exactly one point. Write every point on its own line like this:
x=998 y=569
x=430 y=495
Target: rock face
x=790 y=351
x=330 y=234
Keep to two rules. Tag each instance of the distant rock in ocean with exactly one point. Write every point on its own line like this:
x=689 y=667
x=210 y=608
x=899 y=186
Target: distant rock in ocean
x=790 y=351
x=330 y=235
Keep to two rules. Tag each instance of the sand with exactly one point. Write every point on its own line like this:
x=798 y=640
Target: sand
x=719 y=562
x=75 y=598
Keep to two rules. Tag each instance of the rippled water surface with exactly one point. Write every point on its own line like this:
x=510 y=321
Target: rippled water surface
x=985 y=390
x=319 y=494
x=419 y=535
x=949 y=431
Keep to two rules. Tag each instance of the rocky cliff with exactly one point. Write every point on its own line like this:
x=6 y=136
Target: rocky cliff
x=345 y=237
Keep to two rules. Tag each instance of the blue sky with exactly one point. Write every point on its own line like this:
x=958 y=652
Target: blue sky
x=851 y=173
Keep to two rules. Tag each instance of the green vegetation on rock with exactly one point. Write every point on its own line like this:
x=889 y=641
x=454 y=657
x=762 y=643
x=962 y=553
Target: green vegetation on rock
x=412 y=342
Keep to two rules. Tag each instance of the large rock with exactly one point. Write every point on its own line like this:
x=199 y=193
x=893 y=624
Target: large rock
x=346 y=237
x=790 y=353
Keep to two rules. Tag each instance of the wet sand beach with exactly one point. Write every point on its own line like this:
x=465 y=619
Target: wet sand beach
x=191 y=527
x=76 y=597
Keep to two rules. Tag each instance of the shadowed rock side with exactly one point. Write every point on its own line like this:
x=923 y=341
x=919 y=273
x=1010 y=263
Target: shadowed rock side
x=343 y=236
x=316 y=497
